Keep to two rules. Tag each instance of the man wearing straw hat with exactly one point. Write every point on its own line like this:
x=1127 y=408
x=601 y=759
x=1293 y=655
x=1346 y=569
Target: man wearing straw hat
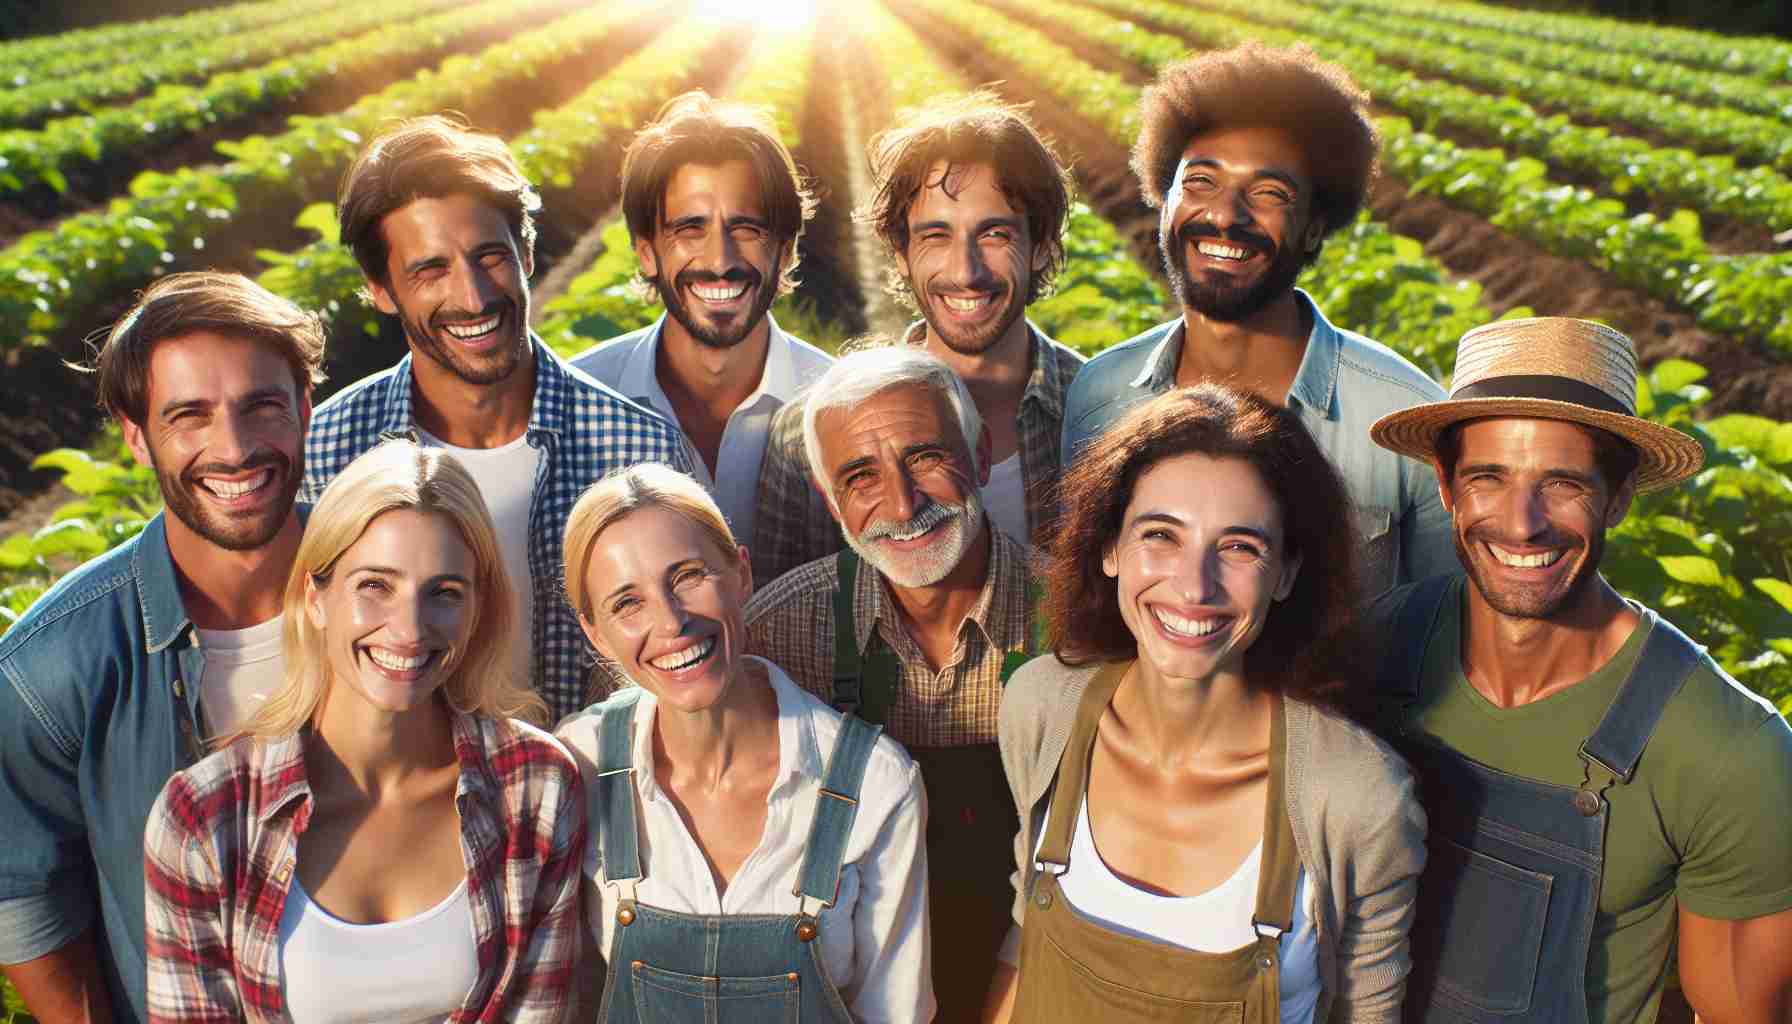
x=1598 y=789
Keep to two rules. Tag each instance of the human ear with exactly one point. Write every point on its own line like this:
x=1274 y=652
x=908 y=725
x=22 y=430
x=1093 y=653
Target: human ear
x=647 y=258
x=1290 y=572
x=314 y=603
x=135 y=440
x=1110 y=560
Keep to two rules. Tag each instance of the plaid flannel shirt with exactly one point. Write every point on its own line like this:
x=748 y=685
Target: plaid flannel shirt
x=584 y=429
x=219 y=855
x=791 y=625
x=792 y=524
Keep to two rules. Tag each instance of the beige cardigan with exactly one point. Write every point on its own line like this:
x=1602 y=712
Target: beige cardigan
x=1356 y=818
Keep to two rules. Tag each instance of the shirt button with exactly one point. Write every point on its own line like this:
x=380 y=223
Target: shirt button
x=180 y=689
x=805 y=930
x=625 y=917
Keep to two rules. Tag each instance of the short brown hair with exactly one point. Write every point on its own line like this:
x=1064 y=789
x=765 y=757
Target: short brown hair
x=696 y=129
x=974 y=128
x=1304 y=648
x=202 y=300
x=1252 y=85
x=429 y=158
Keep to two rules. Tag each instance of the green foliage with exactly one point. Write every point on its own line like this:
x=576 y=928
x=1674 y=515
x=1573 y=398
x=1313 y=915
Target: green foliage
x=1101 y=295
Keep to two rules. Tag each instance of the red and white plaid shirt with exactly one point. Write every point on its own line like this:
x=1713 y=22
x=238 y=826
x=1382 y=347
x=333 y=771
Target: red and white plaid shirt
x=222 y=841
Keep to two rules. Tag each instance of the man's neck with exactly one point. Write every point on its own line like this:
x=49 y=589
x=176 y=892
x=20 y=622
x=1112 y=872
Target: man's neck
x=1514 y=661
x=997 y=380
x=224 y=589
x=472 y=415
x=933 y=614
x=1260 y=353
x=706 y=384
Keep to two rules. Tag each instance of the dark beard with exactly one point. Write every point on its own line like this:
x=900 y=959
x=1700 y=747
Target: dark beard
x=1222 y=301
x=719 y=337
x=229 y=534
x=1528 y=606
x=978 y=343
x=496 y=369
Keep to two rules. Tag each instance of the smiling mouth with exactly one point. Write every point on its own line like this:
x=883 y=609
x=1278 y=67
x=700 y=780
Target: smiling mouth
x=475 y=330
x=970 y=305
x=1192 y=628
x=1221 y=250
x=232 y=490
x=719 y=293
x=1539 y=560
x=680 y=660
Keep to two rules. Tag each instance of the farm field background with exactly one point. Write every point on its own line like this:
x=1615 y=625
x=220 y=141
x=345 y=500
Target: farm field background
x=1531 y=163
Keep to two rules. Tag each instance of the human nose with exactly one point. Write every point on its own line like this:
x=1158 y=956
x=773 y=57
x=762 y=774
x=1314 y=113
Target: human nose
x=720 y=251
x=967 y=266
x=1197 y=576
x=669 y=615
x=1522 y=513
x=1225 y=208
x=899 y=495
x=232 y=438
x=473 y=287
x=405 y=618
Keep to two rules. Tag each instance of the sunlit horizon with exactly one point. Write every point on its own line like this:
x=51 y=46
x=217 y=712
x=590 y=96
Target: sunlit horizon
x=762 y=14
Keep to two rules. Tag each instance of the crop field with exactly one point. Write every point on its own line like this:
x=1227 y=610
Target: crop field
x=1530 y=163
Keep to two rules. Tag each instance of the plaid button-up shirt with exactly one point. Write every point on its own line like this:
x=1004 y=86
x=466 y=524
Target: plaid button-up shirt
x=791 y=624
x=222 y=840
x=792 y=524
x=584 y=430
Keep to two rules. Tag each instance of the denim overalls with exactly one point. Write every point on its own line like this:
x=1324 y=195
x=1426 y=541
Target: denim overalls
x=971 y=820
x=1511 y=884
x=733 y=968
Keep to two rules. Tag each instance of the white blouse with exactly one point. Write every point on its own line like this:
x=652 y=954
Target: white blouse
x=415 y=971
x=874 y=938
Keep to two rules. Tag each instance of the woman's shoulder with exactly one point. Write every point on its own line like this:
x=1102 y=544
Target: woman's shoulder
x=527 y=762
x=1342 y=772
x=223 y=789
x=1045 y=684
x=580 y=731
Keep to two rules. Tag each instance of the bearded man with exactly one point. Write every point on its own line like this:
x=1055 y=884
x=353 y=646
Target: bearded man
x=915 y=625
x=715 y=206
x=1254 y=155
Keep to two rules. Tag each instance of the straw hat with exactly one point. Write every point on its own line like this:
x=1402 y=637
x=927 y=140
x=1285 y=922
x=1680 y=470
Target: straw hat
x=1547 y=367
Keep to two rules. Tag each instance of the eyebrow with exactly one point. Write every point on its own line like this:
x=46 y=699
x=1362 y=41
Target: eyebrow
x=1269 y=172
x=386 y=570
x=1165 y=517
x=980 y=227
x=1585 y=479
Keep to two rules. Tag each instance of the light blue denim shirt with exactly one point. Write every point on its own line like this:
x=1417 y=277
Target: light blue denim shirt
x=1345 y=383
x=99 y=705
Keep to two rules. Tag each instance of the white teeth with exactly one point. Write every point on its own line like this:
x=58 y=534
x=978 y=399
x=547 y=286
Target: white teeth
x=685 y=658
x=1221 y=250
x=1189 y=627
x=911 y=536
x=392 y=662
x=725 y=293
x=1537 y=561
x=958 y=305
x=230 y=490
x=467 y=332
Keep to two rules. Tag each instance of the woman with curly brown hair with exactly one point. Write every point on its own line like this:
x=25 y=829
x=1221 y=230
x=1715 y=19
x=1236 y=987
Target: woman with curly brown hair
x=1205 y=834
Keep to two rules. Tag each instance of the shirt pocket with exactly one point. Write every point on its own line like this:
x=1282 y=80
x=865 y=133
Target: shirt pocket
x=1380 y=548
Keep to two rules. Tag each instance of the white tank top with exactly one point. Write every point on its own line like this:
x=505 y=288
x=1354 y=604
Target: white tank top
x=1005 y=499
x=1216 y=921
x=415 y=971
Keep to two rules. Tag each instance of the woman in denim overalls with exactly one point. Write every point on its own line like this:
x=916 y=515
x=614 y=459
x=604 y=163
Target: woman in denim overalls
x=754 y=854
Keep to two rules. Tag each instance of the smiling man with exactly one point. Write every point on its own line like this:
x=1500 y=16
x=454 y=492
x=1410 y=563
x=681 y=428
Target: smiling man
x=715 y=207
x=970 y=205
x=440 y=220
x=121 y=674
x=916 y=625
x=1253 y=156
x=1600 y=794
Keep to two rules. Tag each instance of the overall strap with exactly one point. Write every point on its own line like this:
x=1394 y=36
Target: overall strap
x=1667 y=658
x=864 y=686
x=1411 y=628
x=836 y=805
x=1073 y=769
x=617 y=836
x=1279 y=867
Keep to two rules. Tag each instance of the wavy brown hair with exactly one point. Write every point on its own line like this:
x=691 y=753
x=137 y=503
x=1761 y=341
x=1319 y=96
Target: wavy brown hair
x=1306 y=649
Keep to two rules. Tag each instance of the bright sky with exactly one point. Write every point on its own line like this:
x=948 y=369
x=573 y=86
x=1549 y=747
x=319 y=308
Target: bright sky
x=762 y=13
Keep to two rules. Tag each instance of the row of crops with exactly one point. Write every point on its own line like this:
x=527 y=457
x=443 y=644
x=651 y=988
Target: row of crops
x=1712 y=555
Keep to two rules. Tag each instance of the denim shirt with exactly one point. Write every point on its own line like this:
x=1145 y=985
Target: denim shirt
x=99 y=705
x=1345 y=383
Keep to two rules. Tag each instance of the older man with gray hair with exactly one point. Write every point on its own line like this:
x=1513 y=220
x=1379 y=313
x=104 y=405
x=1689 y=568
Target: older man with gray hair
x=915 y=625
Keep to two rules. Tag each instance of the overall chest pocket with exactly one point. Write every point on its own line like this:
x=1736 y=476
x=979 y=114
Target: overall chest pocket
x=1487 y=917
x=668 y=997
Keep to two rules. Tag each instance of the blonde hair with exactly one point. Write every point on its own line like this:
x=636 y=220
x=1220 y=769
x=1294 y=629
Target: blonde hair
x=645 y=485
x=394 y=476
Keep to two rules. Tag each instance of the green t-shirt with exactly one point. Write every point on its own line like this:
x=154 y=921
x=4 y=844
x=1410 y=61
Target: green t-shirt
x=1706 y=821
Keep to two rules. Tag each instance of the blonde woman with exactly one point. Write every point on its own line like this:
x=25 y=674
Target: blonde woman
x=384 y=841
x=754 y=854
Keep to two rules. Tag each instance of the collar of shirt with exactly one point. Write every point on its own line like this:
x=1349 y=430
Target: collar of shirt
x=1315 y=383
x=799 y=753
x=995 y=603
x=1046 y=383
x=285 y=784
x=164 y=613
x=548 y=413
x=640 y=379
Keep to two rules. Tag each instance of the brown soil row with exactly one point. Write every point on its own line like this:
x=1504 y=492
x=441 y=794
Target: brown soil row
x=1515 y=272
x=829 y=269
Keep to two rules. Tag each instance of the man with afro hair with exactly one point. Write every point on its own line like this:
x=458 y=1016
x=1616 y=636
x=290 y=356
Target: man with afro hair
x=1254 y=155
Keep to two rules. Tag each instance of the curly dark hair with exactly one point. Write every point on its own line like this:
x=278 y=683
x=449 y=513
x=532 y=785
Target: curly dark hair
x=1307 y=649
x=1253 y=85
x=973 y=128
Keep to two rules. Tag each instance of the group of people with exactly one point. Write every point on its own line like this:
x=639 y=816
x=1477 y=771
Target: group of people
x=1236 y=674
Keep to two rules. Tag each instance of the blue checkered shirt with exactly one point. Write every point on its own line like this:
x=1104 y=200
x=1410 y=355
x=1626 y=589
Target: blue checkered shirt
x=583 y=429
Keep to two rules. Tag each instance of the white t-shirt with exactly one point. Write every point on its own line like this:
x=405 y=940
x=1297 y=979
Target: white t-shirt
x=506 y=479
x=415 y=971
x=242 y=668
x=1216 y=921
x=1005 y=497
